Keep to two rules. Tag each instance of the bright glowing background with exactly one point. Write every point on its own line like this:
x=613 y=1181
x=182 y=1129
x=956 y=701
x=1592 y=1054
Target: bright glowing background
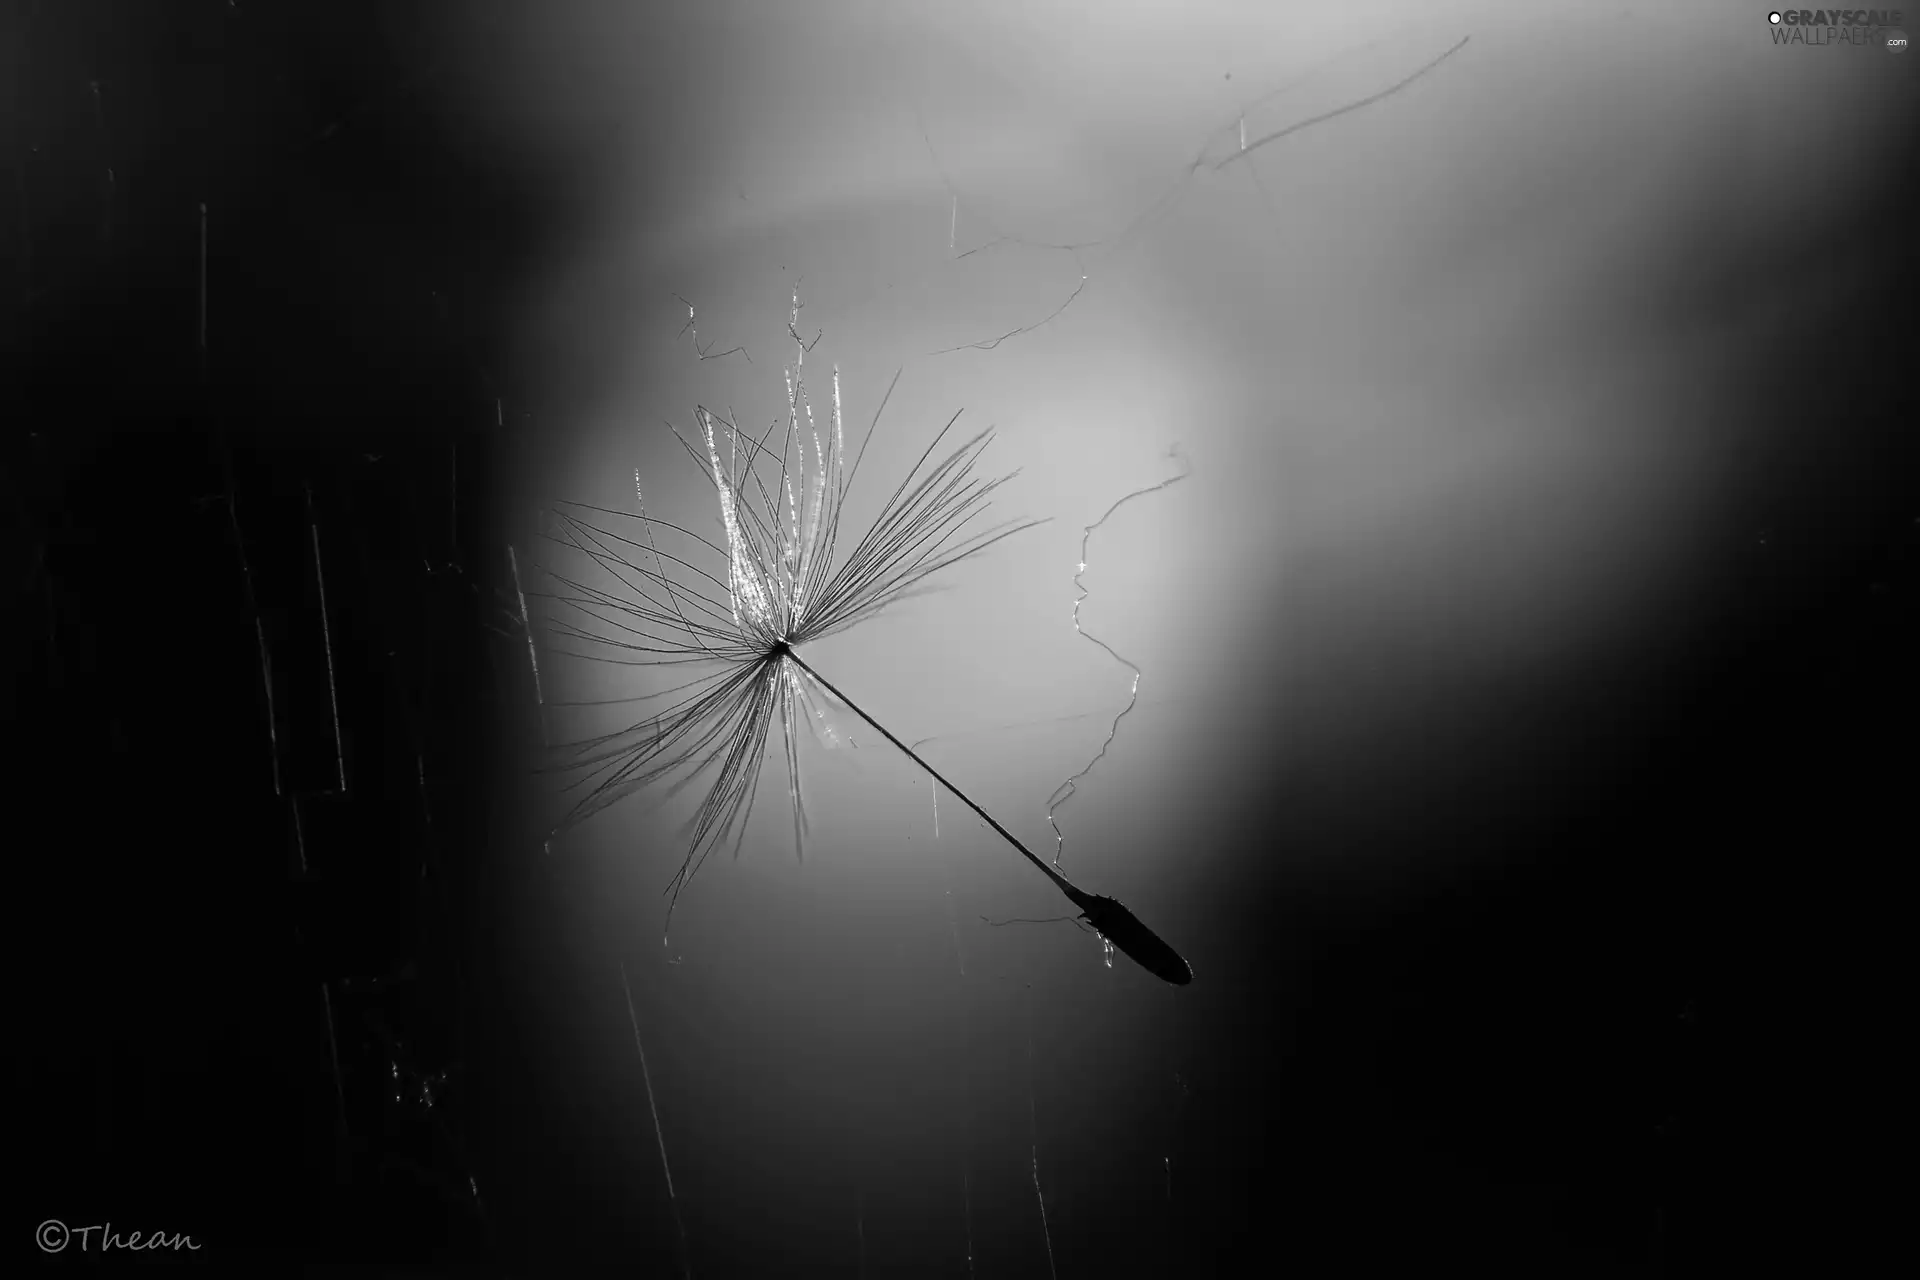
x=1459 y=379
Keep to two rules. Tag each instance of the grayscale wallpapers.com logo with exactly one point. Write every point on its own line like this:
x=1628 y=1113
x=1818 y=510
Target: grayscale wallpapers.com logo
x=1839 y=26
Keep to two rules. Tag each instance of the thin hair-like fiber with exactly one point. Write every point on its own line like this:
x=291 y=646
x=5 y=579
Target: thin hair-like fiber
x=659 y=1137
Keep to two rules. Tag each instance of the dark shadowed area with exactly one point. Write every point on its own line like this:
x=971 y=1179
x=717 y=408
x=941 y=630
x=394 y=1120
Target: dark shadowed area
x=1502 y=490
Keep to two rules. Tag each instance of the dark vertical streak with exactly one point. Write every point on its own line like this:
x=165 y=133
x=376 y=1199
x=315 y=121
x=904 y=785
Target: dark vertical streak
x=203 y=290
x=339 y=1088
x=26 y=234
x=259 y=630
x=453 y=501
x=266 y=679
x=106 y=161
x=54 y=672
x=420 y=765
x=686 y=1260
x=533 y=656
x=15 y=71
x=326 y=635
x=953 y=931
x=860 y=1229
x=1174 y=1143
x=966 y=1195
x=299 y=834
x=1033 y=1134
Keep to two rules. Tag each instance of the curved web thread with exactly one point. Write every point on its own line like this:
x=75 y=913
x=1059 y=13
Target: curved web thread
x=1065 y=791
x=1231 y=137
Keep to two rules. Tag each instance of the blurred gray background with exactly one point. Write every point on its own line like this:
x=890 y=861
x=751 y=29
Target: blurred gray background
x=1524 y=652
x=1482 y=387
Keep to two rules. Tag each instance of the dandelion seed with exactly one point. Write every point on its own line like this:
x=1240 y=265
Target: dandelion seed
x=780 y=581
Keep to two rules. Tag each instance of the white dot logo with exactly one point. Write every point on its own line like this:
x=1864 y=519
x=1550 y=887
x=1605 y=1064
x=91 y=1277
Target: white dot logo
x=1774 y=17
